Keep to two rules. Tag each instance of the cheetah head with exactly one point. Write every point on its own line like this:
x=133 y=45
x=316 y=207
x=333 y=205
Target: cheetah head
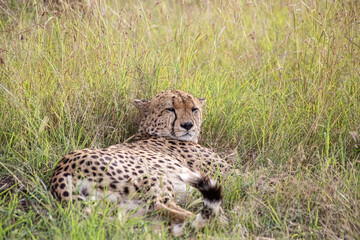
x=172 y=113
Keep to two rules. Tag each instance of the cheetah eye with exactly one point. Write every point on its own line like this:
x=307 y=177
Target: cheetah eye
x=170 y=109
x=194 y=109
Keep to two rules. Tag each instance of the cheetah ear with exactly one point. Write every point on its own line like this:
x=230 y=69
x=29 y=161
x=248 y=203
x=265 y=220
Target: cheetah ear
x=142 y=105
x=202 y=101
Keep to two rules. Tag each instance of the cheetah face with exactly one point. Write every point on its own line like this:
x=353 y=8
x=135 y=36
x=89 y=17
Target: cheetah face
x=173 y=114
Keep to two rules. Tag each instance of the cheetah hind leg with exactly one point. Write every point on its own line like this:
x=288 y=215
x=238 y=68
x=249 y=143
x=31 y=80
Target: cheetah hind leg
x=160 y=190
x=173 y=211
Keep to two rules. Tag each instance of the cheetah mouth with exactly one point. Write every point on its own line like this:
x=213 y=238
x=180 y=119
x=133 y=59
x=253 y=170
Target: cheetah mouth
x=185 y=136
x=182 y=134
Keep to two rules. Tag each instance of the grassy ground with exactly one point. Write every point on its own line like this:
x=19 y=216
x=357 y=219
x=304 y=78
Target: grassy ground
x=282 y=81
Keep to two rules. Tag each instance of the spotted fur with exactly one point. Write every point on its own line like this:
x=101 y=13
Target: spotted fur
x=161 y=159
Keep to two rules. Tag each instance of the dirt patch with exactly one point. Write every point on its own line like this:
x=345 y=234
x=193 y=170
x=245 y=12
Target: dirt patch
x=7 y=184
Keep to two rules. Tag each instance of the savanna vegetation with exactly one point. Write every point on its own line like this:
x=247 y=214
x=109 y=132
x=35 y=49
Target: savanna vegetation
x=282 y=82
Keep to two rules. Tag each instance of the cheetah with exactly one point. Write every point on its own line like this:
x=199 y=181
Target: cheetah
x=161 y=159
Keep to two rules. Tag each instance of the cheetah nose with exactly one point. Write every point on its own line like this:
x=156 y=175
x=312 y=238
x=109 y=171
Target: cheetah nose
x=187 y=125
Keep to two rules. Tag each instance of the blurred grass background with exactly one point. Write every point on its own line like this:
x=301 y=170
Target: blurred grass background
x=282 y=82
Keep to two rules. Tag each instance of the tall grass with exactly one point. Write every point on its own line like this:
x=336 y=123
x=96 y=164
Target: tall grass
x=282 y=82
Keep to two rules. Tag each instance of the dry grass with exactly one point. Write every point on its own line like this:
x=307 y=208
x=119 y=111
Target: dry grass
x=282 y=85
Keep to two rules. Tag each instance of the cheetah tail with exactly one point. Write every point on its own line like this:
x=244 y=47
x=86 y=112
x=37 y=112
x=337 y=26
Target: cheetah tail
x=211 y=192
